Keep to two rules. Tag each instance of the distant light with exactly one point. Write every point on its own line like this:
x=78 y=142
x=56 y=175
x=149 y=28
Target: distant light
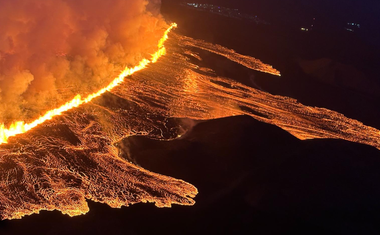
x=354 y=24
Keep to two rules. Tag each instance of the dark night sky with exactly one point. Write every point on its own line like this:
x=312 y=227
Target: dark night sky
x=346 y=10
x=298 y=13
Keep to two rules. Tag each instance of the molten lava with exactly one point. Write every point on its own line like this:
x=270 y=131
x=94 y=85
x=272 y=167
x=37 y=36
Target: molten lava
x=77 y=156
x=20 y=127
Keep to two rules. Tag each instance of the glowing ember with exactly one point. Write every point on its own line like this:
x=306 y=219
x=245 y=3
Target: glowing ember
x=20 y=127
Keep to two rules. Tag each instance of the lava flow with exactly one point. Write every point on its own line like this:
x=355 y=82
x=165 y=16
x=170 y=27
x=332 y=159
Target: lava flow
x=20 y=127
x=77 y=155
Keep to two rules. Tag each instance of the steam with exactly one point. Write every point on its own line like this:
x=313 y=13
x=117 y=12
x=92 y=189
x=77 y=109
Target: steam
x=51 y=50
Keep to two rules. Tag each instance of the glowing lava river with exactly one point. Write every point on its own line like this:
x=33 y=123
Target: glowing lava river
x=70 y=155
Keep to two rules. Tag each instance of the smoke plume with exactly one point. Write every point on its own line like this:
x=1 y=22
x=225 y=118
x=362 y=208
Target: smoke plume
x=51 y=50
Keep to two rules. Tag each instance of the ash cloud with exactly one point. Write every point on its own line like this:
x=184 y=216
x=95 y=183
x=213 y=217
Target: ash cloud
x=51 y=50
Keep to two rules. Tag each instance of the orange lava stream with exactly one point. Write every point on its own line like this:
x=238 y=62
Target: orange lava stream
x=20 y=127
x=244 y=60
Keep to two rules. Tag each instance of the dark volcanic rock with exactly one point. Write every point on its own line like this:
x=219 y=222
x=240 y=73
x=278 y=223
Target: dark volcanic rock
x=339 y=74
x=256 y=177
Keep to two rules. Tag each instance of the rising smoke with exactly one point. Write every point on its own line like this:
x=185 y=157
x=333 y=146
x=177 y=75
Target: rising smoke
x=51 y=50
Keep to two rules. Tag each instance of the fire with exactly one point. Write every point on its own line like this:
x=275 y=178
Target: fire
x=20 y=127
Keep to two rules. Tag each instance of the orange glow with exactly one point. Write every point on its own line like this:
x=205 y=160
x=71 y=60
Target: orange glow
x=232 y=55
x=85 y=154
x=20 y=127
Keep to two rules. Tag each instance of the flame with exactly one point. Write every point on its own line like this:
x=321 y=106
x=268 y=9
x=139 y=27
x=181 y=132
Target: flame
x=20 y=127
